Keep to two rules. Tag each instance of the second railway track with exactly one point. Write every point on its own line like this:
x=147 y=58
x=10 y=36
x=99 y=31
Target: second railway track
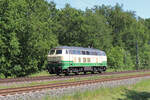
x=54 y=77
x=11 y=91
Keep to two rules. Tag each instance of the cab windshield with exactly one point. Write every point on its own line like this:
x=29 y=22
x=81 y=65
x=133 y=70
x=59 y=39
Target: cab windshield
x=58 y=51
x=52 y=52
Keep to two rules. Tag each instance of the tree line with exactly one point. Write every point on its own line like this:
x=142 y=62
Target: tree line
x=30 y=28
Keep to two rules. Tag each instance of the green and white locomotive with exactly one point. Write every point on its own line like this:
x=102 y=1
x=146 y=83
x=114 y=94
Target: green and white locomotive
x=68 y=59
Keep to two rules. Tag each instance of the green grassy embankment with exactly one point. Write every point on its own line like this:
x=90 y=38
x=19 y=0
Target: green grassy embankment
x=42 y=73
x=45 y=72
x=139 y=91
x=68 y=80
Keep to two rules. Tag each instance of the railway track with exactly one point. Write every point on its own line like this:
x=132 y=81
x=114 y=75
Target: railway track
x=11 y=91
x=54 y=77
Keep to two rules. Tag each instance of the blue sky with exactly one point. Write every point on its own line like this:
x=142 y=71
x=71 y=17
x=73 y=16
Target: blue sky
x=141 y=7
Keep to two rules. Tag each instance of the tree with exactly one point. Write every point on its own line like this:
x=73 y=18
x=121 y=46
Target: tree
x=95 y=31
x=69 y=30
x=10 y=48
x=26 y=35
x=118 y=58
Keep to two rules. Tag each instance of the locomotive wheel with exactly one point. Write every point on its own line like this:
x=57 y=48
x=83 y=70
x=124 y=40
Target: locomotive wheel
x=84 y=72
x=94 y=69
x=58 y=73
x=99 y=72
x=66 y=74
x=92 y=72
x=50 y=71
x=104 y=68
x=76 y=73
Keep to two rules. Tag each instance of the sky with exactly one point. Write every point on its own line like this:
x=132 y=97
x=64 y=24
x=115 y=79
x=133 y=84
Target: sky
x=141 y=7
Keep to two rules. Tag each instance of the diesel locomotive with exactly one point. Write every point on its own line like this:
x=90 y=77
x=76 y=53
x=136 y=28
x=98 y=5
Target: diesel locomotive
x=69 y=59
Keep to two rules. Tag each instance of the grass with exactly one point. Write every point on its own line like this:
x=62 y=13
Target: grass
x=46 y=73
x=139 y=91
x=42 y=73
x=67 y=80
x=120 y=69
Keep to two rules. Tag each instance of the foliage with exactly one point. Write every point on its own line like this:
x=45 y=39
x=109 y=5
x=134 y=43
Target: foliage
x=128 y=32
x=118 y=57
x=70 y=21
x=95 y=31
x=26 y=36
x=29 y=28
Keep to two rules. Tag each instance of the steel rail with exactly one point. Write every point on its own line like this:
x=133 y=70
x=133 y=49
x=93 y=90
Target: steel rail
x=40 y=78
x=11 y=91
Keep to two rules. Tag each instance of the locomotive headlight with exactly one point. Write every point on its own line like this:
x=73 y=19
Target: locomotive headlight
x=49 y=58
x=62 y=58
x=59 y=58
x=56 y=58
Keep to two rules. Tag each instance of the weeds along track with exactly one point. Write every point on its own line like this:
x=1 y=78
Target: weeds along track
x=11 y=91
x=55 y=77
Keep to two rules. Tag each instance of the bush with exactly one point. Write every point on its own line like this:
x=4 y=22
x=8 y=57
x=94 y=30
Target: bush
x=118 y=58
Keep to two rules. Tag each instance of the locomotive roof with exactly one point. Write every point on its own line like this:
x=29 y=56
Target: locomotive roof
x=77 y=48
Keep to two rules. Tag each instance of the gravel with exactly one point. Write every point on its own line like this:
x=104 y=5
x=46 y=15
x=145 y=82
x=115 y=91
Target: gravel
x=38 y=95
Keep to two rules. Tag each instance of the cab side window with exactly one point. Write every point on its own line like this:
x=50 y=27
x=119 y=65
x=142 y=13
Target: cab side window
x=84 y=59
x=79 y=59
x=66 y=51
x=58 y=51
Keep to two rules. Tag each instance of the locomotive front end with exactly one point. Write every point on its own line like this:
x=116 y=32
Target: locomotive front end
x=55 y=59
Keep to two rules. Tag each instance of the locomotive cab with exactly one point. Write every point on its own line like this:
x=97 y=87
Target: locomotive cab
x=55 y=60
x=65 y=59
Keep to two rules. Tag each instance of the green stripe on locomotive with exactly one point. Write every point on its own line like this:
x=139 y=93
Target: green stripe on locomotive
x=66 y=64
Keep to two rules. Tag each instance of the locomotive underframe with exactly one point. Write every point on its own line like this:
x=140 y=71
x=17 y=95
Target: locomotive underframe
x=58 y=68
